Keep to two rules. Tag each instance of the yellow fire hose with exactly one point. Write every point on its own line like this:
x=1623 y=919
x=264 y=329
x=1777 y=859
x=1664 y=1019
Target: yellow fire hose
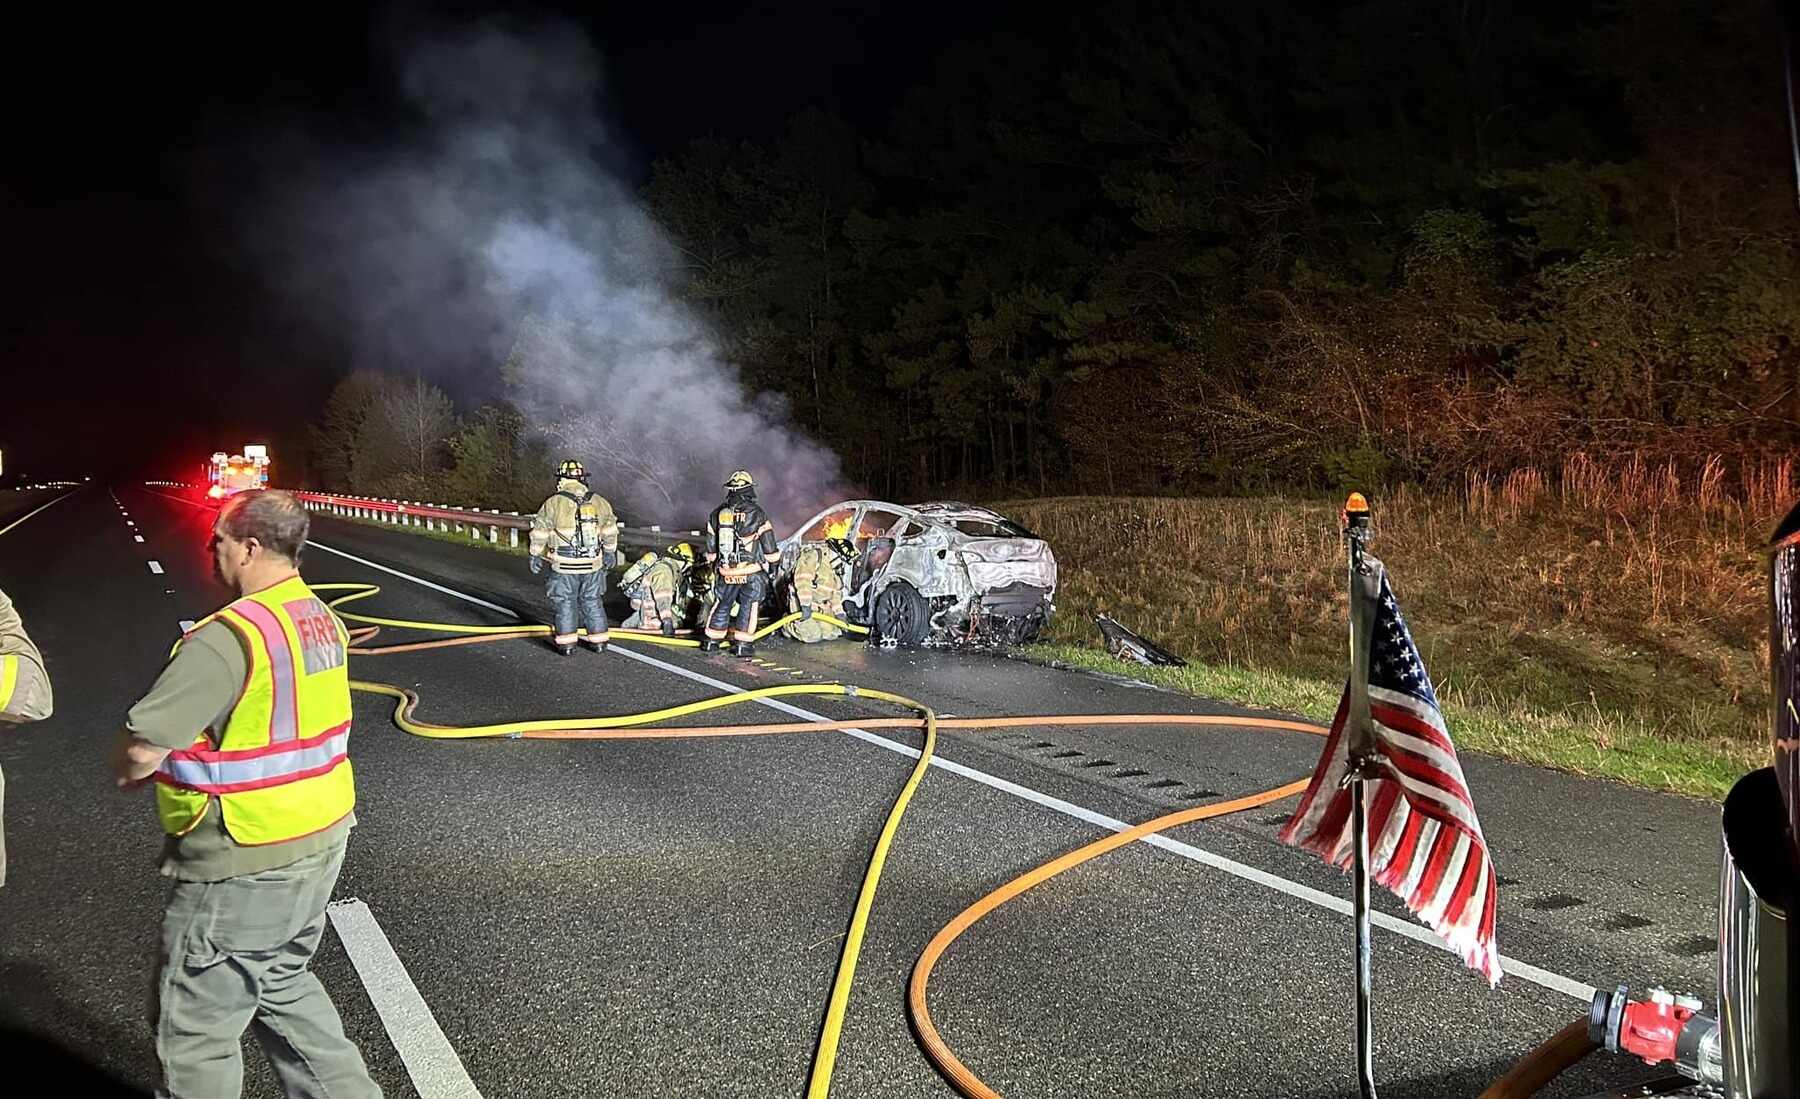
x=1536 y=1069
x=354 y=592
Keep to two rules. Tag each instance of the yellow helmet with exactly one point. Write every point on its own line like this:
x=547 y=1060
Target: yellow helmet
x=738 y=480
x=682 y=550
x=571 y=468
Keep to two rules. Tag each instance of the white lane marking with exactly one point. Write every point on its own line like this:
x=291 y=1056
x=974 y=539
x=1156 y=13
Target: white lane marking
x=137 y=538
x=1544 y=978
x=1556 y=982
x=156 y=567
x=187 y=624
x=130 y=524
x=408 y=576
x=436 y=1071
x=35 y=510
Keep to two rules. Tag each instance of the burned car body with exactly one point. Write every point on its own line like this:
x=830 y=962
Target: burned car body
x=939 y=573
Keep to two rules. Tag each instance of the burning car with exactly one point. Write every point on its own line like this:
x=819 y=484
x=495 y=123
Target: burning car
x=942 y=573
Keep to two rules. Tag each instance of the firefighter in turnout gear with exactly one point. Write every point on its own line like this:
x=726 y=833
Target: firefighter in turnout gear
x=576 y=531
x=657 y=587
x=820 y=571
x=740 y=544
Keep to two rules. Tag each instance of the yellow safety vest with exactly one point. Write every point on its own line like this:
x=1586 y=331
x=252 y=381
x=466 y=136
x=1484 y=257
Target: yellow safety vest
x=280 y=769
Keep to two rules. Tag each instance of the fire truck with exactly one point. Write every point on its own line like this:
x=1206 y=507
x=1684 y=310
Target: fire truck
x=230 y=474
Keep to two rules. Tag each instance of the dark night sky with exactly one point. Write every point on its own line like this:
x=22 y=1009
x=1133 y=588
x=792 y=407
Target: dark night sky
x=137 y=340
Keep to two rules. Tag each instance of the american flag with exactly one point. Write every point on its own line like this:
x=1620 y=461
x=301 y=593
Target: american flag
x=1425 y=843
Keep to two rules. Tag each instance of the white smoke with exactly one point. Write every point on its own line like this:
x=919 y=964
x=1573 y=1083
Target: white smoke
x=498 y=234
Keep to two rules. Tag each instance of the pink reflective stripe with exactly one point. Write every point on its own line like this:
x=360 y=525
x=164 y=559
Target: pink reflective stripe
x=226 y=776
x=284 y=708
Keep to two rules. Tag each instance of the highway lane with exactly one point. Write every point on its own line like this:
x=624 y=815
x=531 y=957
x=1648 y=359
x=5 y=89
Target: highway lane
x=1600 y=881
x=649 y=917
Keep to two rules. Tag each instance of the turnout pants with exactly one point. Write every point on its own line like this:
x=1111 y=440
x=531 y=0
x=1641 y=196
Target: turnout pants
x=575 y=596
x=747 y=596
x=236 y=954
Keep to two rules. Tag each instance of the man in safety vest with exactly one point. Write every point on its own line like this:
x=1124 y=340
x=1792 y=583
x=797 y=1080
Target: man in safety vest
x=24 y=686
x=740 y=543
x=657 y=587
x=820 y=570
x=246 y=732
x=575 y=529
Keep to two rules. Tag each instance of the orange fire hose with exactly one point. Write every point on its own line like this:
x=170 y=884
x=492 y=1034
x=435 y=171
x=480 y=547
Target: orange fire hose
x=1526 y=1078
x=1545 y=1063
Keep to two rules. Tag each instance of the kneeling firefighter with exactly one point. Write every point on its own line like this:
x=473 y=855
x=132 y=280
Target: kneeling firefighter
x=740 y=543
x=819 y=574
x=577 y=531
x=657 y=585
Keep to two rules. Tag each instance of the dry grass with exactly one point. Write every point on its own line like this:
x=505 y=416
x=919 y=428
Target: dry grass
x=1597 y=604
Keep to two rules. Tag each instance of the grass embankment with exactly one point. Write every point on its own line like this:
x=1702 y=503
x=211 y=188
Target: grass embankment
x=1609 y=623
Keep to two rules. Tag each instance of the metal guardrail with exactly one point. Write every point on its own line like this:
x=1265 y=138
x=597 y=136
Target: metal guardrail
x=480 y=524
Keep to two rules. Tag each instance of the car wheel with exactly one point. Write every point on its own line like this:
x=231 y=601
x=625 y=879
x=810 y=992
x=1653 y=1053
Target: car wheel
x=901 y=615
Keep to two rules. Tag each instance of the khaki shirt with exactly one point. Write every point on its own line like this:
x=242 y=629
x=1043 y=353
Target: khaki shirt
x=24 y=688
x=195 y=693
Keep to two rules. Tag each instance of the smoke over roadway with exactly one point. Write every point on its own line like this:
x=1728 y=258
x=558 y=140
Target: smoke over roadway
x=495 y=235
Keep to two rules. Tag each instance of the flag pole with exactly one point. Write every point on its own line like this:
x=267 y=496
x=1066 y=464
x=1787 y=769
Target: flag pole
x=1356 y=533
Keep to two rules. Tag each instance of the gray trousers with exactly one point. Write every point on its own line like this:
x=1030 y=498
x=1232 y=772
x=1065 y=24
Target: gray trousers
x=575 y=597
x=235 y=954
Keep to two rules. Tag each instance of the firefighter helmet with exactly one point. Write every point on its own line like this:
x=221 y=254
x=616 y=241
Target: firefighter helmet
x=843 y=547
x=739 y=480
x=571 y=468
x=683 y=551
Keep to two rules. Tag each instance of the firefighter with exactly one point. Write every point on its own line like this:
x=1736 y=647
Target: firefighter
x=657 y=587
x=25 y=693
x=819 y=574
x=740 y=544
x=576 y=530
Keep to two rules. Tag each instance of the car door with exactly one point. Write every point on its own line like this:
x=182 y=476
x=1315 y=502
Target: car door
x=922 y=557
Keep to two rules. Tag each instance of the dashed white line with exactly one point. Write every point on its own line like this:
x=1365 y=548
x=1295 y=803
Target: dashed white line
x=1544 y=978
x=156 y=567
x=137 y=538
x=436 y=1071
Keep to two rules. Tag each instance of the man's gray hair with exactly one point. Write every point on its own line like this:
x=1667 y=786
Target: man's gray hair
x=272 y=517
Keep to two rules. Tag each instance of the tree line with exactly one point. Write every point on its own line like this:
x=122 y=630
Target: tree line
x=1153 y=247
x=383 y=435
x=1160 y=247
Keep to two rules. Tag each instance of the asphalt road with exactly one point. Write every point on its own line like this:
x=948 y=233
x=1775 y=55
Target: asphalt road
x=663 y=917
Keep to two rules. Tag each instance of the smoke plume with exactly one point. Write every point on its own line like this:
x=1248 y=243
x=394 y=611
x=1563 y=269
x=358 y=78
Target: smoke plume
x=496 y=238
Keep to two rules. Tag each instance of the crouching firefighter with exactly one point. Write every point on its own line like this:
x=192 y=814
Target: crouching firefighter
x=820 y=572
x=575 y=529
x=740 y=544
x=657 y=587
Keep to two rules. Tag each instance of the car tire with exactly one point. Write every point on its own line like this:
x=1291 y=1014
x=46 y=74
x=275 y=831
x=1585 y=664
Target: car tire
x=901 y=615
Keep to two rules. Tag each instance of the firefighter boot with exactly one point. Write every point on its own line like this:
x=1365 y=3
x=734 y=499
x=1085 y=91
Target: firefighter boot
x=597 y=646
x=710 y=645
x=744 y=650
x=668 y=627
